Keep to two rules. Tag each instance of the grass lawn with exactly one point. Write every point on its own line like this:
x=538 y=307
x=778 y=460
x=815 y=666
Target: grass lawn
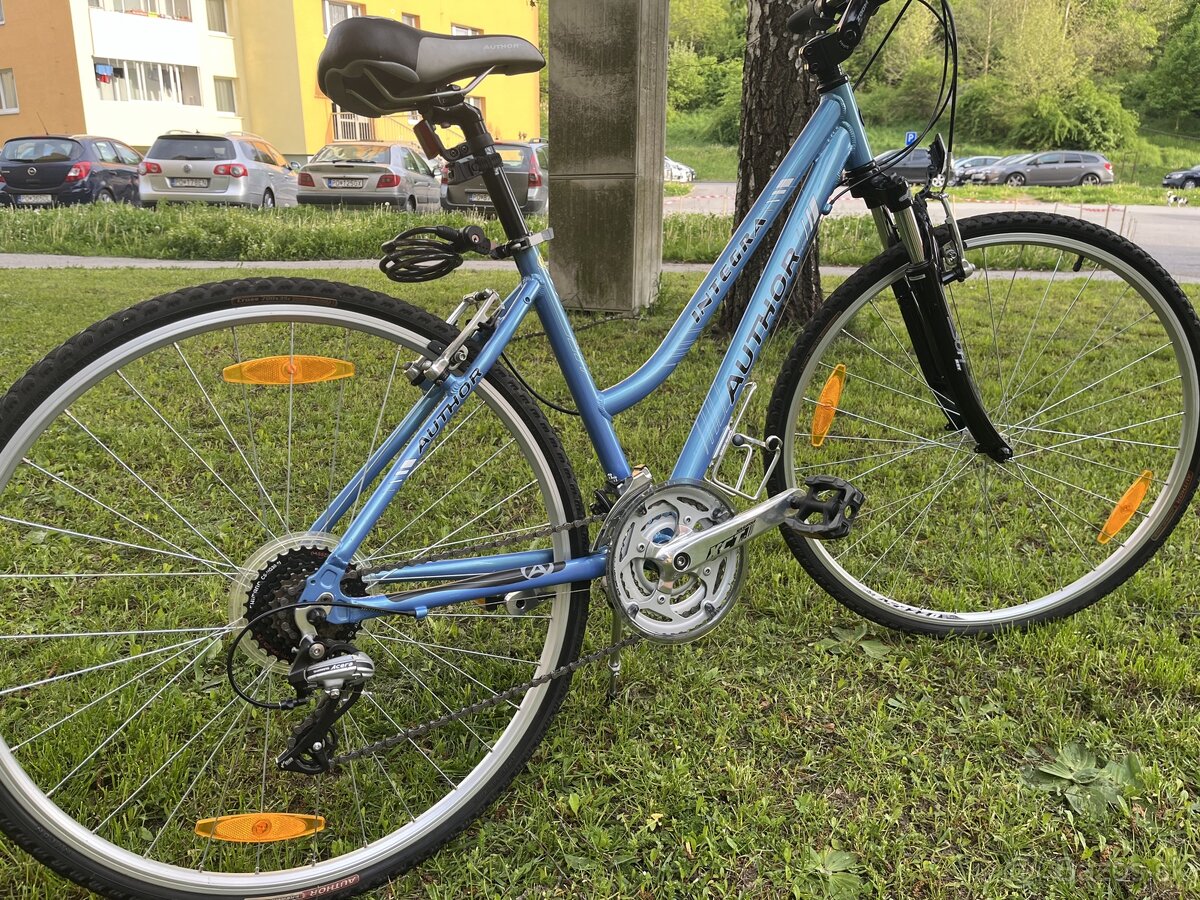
x=793 y=752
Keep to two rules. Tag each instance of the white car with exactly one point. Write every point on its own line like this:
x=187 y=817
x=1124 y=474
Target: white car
x=677 y=171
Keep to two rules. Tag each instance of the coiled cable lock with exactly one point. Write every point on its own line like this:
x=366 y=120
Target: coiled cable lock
x=431 y=252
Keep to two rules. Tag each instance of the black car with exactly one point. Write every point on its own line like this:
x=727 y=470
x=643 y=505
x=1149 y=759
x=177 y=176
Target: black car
x=913 y=167
x=60 y=170
x=1187 y=179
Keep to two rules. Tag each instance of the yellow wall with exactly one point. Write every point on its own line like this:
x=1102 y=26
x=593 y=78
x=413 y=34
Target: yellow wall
x=37 y=38
x=510 y=103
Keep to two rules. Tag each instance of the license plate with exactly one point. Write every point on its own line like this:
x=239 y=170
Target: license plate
x=189 y=182
x=479 y=198
x=346 y=182
x=36 y=198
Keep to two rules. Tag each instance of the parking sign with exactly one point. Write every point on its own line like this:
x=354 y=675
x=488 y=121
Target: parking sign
x=910 y=137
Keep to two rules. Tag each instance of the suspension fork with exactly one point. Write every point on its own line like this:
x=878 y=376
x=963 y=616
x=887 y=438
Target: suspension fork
x=921 y=296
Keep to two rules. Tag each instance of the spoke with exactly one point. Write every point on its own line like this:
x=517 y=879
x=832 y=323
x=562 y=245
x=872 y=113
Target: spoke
x=196 y=454
x=921 y=381
x=236 y=446
x=287 y=493
x=857 y=377
x=915 y=371
x=103 y=505
x=358 y=804
x=337 y=421
x=434 y=694
x=121 y=728
x=1088 y=387
x=1046 y=498
x=1094 y=462
x=219 y=567
x=1070 y=364
x=412 y=521
x=415 y=745
x=941 y=489
x=987 y=282
x=102 y=576
x=174 y=756
x=1104 y=435
x=1123 y=396
x=912 y=434
x=71 y=635
x=1016 y=369
x=157 y=496
x=396 y=791
x=102 y=697
x=237 y=352
x=403 y=638
x=415 y=554
x=1088 y=523
x=1111 y=502
x=387 y=393
x=481 y=515
x=107 y=665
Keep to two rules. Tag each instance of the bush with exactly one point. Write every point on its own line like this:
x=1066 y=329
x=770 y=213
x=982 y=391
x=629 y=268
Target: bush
x=686 y=84
x=985 y=110
x=1084 y=119
x=725 y=127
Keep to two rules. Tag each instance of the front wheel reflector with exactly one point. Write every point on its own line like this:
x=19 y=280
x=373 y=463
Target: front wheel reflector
x=260 y=828
x=827 y=404
x=288 y=370
x=1126 y=507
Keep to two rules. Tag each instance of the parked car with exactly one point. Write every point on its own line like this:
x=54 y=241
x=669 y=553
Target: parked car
x=677 y=171
x=981 y=175
x=369 y=173
x=1060 y=167
x=913 y=167
x=961 y=170
x=236 y=169
x=60 y=170
x=527 y=168
x=1188 y=179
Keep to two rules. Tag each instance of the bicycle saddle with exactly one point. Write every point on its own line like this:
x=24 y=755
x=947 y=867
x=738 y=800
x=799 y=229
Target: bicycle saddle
x=375 y=66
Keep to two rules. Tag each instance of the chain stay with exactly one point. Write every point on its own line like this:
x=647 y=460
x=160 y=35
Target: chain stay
x=516 y=690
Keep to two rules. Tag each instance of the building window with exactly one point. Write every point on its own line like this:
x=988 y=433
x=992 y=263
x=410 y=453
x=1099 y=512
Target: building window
x=465 y=30
x=336 y=11
x=8 y=92
x=1 y=12
x=120 y=79
x=170 y=9
x=480 y=104
x=217 y=20
x=226 y=95
x=410 y=20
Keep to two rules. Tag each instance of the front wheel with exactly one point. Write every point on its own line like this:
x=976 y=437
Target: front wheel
x=159 y=477
x=1015 y=180
x=1084 y=351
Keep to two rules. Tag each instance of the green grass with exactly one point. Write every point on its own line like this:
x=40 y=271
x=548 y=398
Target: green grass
x=1101 y=195
x=732 y=767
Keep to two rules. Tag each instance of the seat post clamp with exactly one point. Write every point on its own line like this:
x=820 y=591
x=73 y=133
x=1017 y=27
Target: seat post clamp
x=528 y=242
x=473 y=166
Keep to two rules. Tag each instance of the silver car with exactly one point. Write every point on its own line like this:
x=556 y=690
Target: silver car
x=237 y=169
x=1062 y=167
x=370 y=173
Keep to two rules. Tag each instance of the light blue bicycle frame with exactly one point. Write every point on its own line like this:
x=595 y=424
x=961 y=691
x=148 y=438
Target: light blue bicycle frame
x=832 y=141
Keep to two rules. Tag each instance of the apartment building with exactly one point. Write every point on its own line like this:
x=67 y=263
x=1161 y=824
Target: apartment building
x=135 y=68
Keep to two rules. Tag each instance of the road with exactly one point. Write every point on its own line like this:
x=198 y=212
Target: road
x=1171 y=234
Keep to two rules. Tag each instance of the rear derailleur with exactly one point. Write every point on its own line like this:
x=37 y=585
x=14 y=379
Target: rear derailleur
x=340 y=670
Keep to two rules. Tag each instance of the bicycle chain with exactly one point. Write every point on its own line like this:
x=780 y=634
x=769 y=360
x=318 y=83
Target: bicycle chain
x=516 y=690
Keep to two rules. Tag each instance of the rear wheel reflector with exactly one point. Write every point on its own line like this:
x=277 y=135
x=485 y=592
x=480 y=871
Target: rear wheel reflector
x=260 y=828
x=1126 y=507
x=288 y=370
x=827 y=405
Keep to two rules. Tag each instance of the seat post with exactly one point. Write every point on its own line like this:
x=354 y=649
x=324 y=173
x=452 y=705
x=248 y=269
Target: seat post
x=481 y=147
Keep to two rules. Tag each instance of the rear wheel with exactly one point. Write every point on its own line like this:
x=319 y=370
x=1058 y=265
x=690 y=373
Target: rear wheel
x=268 y=200
x=1091 y=179
x=1084 y=351
x=150 y=502
x=105 y=196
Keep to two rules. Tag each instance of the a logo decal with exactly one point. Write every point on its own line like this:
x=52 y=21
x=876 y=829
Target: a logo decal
x=461 y=393
x=323 y=890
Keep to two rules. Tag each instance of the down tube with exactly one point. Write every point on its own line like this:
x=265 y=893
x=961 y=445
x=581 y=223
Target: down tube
x=770 y=295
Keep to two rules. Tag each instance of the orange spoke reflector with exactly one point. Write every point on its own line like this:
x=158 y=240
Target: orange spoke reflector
x=827 y=404
x=288 y=370
x=1126 y=507
x=260 y=828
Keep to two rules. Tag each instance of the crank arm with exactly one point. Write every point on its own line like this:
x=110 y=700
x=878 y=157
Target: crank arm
x=834 y=500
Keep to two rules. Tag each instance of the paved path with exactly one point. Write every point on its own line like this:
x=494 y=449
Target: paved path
x=1171 y=234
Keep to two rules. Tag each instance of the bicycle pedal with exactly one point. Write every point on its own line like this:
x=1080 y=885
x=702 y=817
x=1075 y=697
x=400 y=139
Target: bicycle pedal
x=827 y=511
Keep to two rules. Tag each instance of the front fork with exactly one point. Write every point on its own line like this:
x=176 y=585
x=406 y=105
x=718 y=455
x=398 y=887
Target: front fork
x=921 y=296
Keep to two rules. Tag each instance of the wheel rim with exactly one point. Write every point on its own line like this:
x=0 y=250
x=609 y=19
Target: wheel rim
x=375 y=841
x=1015 y=181
x=106 y=197
x=1092 y=180
x=268 y=201
x=896 y=532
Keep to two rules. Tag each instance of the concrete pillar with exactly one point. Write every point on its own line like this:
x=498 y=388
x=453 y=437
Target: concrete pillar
x=608 y=97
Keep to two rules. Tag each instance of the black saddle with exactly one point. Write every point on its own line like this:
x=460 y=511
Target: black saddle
x=375 y=66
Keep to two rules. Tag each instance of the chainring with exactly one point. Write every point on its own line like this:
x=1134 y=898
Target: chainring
x=665 y=606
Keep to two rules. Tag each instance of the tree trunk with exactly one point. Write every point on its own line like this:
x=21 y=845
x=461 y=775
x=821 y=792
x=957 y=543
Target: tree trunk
x=777 y=99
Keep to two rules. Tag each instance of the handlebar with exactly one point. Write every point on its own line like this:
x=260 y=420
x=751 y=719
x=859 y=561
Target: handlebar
x=817 y=16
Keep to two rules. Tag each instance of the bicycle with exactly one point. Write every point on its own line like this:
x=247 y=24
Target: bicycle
x=209 y=500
